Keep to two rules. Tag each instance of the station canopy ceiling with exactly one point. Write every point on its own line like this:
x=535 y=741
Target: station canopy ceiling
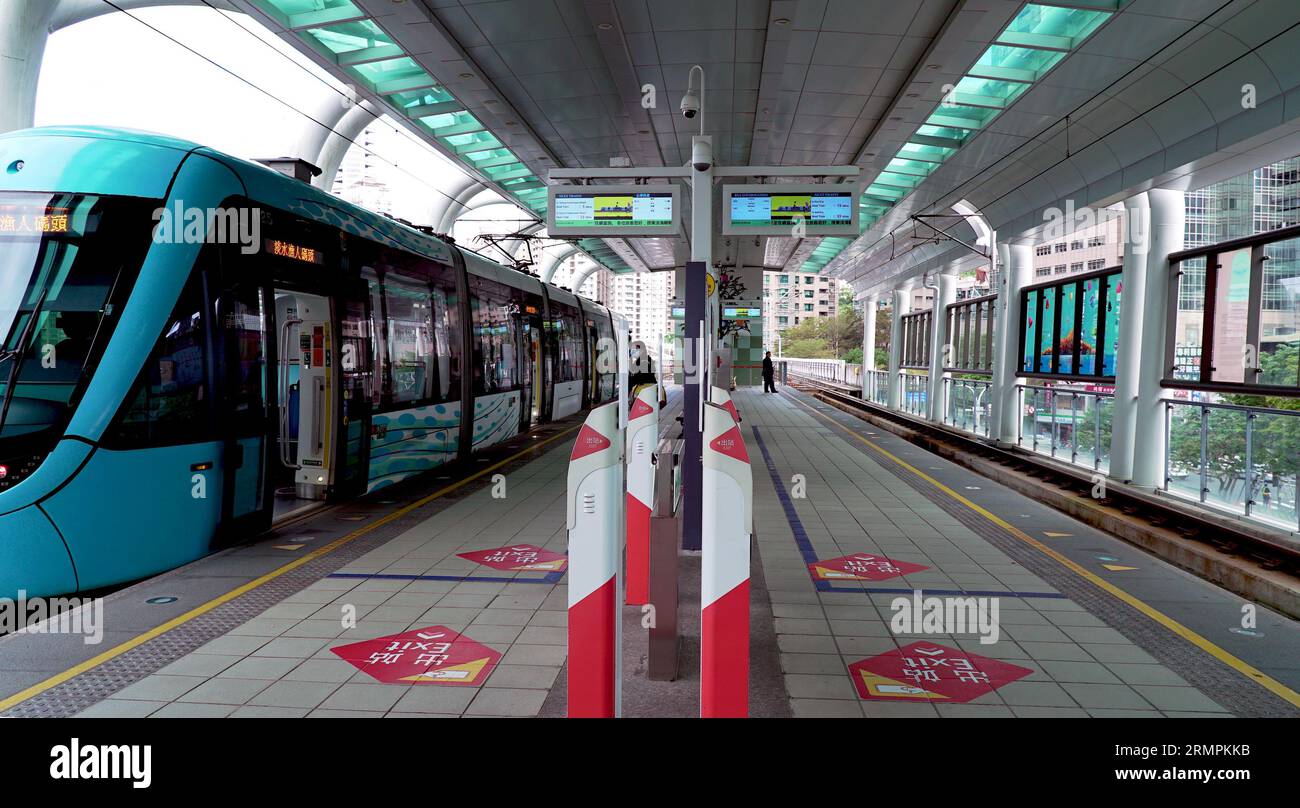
x=937 y=101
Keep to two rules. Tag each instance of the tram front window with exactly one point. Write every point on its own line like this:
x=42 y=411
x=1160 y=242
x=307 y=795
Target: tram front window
x=67 y=262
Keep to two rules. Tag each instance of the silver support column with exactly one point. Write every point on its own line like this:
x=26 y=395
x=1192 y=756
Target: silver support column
x=24 y=30
x=1123 y=426
x=945 y=293
x=1168 y=222
x=1017 y=272
x=902 y=305
x=869 y=306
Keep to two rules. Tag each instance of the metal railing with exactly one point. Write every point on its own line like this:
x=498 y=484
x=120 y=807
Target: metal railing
x=1238 y=459
x=830 y=370
x=877 y=387
x=968 y=404
x=1067 y=424
x=913 y=392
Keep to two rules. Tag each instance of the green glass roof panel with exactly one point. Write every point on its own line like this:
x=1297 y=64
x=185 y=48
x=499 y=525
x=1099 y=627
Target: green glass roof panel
x=419 y=98
x=452 y=123
x=473 y=143
x=916 y=168
x=1015 y=63
x=347 y=37
x=402 y=68
x=980 y=92
x=490 y=156
x=899 y=180
x=920 y=151
x=886 y=192
x=951 y=132
x=310 y=13
x=1053 y=26
x=961 y=116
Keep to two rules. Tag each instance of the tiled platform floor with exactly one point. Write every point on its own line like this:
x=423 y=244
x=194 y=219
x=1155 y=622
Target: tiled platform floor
x=280 y=663
x=1081 y=666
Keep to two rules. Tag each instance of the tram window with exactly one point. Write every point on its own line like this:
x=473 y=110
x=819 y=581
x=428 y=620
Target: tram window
x=567 y=327
x=378 y=345
x=77 y=257
x=495 y=332
x=417 y=328
x=606 y=360
x=169 y=402
x=412 y=354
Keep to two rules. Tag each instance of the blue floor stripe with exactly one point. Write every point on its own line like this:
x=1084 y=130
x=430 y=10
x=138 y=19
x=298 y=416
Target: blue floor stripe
x=549 y=578
x=810 y=556
x=800 y=535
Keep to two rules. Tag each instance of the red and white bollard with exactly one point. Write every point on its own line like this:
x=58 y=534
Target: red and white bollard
x=642 y=438
x=722 y=398
x=594 y=522
x=727 y=522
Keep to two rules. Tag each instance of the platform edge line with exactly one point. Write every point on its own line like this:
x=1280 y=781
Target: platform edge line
x=1239 y=665
x=57 y=679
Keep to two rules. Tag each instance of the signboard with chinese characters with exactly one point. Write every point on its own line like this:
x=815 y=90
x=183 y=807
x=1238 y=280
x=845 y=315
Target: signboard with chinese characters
x=928 y=671
x=435 y=655
x=519 y=558
x=861 y=567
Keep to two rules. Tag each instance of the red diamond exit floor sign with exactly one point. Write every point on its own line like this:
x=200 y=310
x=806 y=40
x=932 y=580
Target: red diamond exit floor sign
x=428 y=656
x=928 y=671
x=519 y=558
x=861 y=567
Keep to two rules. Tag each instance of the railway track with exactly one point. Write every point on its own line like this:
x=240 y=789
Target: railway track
x=1170 y=529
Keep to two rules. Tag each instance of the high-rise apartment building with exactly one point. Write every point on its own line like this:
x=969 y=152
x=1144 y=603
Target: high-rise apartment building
x=644 y=298
x=1086 y=250
x=790 y=298
x=362 y=178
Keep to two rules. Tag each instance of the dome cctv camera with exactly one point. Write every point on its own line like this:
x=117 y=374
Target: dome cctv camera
x=702 y=154
x=690 y=104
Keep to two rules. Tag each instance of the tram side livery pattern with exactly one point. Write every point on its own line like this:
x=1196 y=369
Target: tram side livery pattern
x=153 y=440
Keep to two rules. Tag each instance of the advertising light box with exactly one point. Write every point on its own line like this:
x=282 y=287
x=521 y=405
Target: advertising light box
x=773 y=210
x=613 y=210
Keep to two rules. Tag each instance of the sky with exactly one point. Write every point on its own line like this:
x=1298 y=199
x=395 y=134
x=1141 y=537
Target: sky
x=142 y=80
x=234 y=86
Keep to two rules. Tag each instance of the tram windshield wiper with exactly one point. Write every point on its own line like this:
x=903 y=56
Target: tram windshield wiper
x=15 y=355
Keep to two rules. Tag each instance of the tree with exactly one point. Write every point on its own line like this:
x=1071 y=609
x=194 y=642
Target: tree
x=883 y=319
x=845 y=300
x=825 y=337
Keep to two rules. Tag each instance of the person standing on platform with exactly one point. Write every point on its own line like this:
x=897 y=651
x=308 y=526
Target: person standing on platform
x=643 y=369
x=769 y=371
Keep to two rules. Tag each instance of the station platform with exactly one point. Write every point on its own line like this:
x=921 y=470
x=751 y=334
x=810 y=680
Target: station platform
x=329 y=617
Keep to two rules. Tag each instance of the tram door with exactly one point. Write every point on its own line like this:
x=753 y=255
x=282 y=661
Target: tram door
x=307 y=379
x=529 y=351
x=356 y=375
x=240 y=345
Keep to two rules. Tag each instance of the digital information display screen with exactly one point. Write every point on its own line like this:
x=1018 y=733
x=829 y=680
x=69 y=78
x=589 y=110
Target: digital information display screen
x=734 y=312
x=824 y=209
x=624 y=210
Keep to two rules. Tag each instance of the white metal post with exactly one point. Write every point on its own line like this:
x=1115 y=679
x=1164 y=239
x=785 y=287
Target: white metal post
x=1168 y=222
x=1018 y=271
x=1123 y=424
x=902 y=305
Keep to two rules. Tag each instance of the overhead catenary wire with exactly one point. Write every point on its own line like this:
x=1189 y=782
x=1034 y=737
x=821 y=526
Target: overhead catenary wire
x=285 y=103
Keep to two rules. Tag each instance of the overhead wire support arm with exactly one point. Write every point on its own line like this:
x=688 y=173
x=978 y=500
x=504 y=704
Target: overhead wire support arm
x=920 y=218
